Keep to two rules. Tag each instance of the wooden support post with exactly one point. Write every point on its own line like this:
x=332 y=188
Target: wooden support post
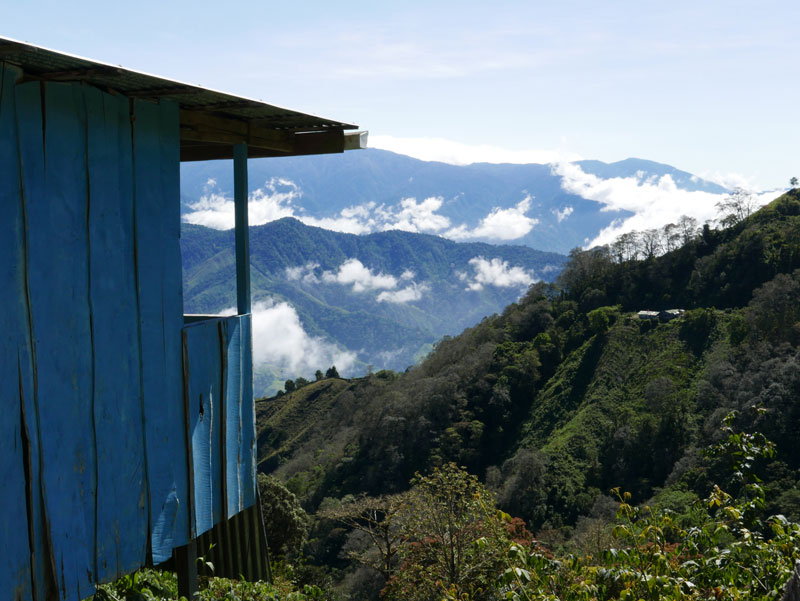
x=242 y=228
x=185 y=559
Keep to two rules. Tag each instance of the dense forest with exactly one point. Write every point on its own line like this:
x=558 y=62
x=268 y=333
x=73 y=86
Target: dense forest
x=566 y=448
x=568 y=395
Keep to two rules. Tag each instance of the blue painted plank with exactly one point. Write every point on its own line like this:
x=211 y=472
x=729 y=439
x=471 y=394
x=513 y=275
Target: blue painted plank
x=203 y=390
x=28 y=101
x=169 y=161
x=15 y=564
x=233 y=415
x=160 y=322
x=247 y=476
x=121 y=515
x=59 y=290
x=216 y=376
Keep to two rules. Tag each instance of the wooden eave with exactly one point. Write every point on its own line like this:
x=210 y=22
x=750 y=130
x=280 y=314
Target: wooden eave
x=211 y=122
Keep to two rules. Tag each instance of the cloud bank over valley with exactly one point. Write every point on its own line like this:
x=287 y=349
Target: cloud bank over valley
x=280 y=198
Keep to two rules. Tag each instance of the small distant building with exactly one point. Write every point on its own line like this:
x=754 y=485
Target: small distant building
x=670 y=314
x=662 y=316
x=128 y=428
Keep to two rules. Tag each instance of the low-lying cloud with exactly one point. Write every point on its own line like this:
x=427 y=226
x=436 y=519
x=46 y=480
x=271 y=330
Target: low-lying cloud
x=279 y=339
x=655 y=201
x=362 y=279
x=408 y=294
x=273 y=201
x=495 y=272
x=353 y=272
x=278 y=198
x=499 y=224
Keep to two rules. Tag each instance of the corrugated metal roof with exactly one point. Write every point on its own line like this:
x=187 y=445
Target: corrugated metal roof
x=211 y=121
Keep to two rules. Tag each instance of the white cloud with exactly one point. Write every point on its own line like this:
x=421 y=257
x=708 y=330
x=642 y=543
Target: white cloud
x=362 y=278
x=726 y=180
x=499 y=224
x=305 y=273
x=654 y=202
x=413 y=216
x=562 y=214
x=456 y=153
x=495 y=272
x=273 y=201
x=278 y=197
x=408 y=294
x=280 y=340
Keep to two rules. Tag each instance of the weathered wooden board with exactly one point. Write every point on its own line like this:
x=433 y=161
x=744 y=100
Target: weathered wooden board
x=121 y=517
x=233 y=416
x=98 y=464
x=169 y=161
x=204 y=379
x=247 y=474
x=59 y=305
x=159 y=333
x=31 y=177
x=15 y=563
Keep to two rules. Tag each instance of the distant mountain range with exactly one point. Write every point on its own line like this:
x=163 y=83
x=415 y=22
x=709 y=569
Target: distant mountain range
x=383 y=299
x=372 y=190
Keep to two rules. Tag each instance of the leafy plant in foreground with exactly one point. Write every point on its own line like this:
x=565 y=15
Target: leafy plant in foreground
x=727 y=553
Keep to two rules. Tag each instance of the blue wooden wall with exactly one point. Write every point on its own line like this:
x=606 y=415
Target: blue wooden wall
x=106 y=455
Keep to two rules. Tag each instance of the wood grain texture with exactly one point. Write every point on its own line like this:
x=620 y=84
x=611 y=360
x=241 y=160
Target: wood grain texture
x=15 y=562
x=31 y=156
x=233 y=416
x=121 y=517
x=247 y=474
x=172 y=298
x=159 y=328
x=204 y=371
x=59 y=291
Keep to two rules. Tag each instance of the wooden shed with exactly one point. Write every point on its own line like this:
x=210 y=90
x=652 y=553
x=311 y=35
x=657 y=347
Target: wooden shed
x=128 y=430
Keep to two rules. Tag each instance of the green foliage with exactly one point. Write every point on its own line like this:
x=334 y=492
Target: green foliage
x=331 y=372
x=454 y=539
x=552 y=416
x=284 y=518
x=726 y=554
x=696 y=328
x=153 y=585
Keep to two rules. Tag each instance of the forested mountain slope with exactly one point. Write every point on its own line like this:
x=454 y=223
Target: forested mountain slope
x=567 y=393
x=384 y=297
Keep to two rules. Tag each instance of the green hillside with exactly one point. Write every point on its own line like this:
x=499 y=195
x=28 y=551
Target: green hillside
x=436 y=273
x=568 y=394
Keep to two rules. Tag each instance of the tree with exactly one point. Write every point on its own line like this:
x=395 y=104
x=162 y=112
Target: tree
x=793 y=183
x=687 y=228
x=651 y=243
x=284 y=519
x=455 y=539
x=736 y=207
x=289 y=386
x=332 y=373
x=379 y=519
x=318 y=375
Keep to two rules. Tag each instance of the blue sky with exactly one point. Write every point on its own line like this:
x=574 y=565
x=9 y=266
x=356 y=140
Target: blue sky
x=710 y=87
